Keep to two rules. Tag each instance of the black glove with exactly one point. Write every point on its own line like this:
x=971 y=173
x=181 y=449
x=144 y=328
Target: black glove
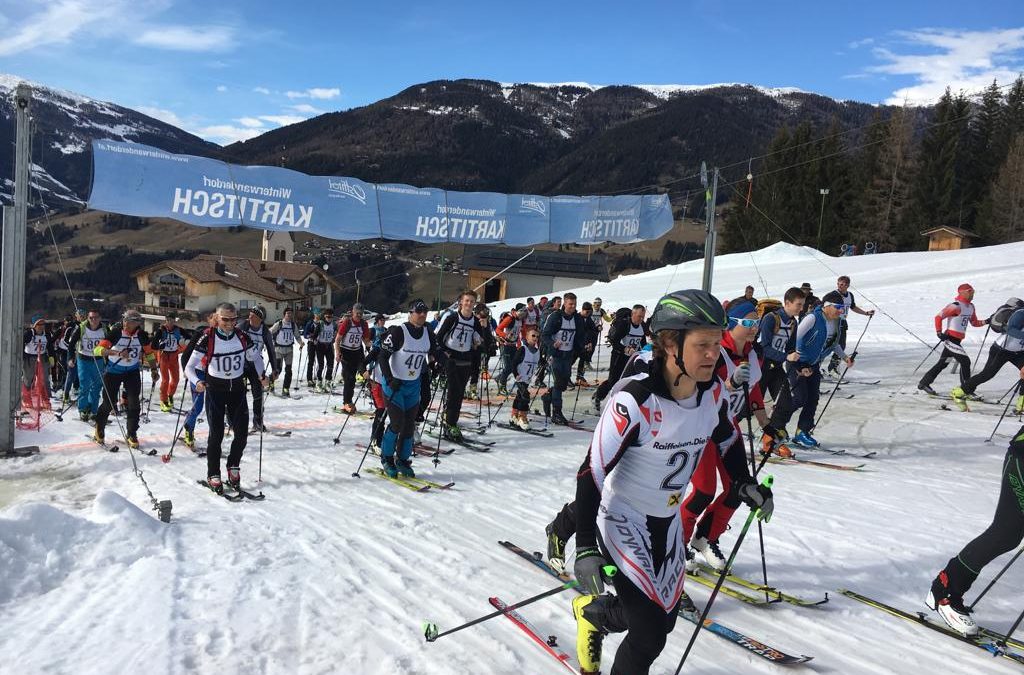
x=155 y=374
x=757 y=497
x=589 y=570
x=939 y=334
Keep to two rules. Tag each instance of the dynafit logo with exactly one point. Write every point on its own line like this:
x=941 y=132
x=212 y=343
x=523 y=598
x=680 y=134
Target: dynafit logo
x=533 y=204
x=341 y=187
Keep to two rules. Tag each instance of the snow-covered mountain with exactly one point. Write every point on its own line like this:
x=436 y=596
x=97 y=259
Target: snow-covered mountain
x=64 y=124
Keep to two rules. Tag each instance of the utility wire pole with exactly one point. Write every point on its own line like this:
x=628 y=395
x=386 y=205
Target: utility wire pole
x=710 y=236
x=12 y=281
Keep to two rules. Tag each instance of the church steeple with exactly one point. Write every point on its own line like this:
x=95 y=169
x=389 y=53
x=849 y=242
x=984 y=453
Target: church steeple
x=278 y=246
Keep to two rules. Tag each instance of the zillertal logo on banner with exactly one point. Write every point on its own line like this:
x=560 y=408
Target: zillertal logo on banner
x=342 y=188
x=533 y=204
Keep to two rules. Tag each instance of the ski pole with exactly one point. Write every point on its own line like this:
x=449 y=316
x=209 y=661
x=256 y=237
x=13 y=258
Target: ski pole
x=760 y=530
x=366 y=452
x=767 y=482
x=853 y=356
x=993 y=582
x=149 y=402
x=923 y=361
x=975 y=364
x=440 y=429
x=259 y=470
x=177 y=423
x=1000 y=420
x=430 y=632
x=337 y=439
x=1013 y=388
x=298 y=370
x=330 y=389
x=1009 y=633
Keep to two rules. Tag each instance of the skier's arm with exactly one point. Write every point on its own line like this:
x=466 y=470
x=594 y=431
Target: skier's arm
x=804 y=333
x=195 y=361
x=606 y=448
x=343 y=327
x=618 y=331
x=391 y=343
x=268 y=342
x=948 y=312
x=517 y=359
x=445 y=327
x=767 y=330
x=1015 y=325
x=976 y=322
x=255 y=357
x=276 y=328
x=503 y=327
x=547 y=333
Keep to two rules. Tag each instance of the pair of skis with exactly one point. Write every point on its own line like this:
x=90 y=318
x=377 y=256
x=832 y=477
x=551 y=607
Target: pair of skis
x=750 y=644
x=992 y=642
x=232 y=494
x=773 y=594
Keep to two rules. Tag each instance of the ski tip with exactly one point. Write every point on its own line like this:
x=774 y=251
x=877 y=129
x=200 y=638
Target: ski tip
x=165 y=458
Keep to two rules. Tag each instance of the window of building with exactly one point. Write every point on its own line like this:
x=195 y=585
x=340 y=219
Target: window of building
x=280 y=255
x=245 y=304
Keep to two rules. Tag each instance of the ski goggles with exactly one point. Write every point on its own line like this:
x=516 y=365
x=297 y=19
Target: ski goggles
x=746 y=323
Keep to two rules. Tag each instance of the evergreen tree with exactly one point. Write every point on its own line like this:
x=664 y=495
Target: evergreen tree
x=935 y=199
x=986 y=148
x=885 y=197
x=1001 y=219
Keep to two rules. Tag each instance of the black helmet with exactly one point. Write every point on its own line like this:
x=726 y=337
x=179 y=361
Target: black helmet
x=689 y=309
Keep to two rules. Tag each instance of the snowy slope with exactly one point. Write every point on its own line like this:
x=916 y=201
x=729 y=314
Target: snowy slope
x=333 y=574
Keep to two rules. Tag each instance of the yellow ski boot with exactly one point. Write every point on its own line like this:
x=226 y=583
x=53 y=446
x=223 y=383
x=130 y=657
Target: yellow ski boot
x=588 y=636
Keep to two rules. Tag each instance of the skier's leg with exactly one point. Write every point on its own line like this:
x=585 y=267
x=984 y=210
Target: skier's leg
x=132 y=381
x=997 y=358
x=237 y=408
x=809 y=401
x=648 y=628
x=934 y=371
x=704 y=483
x=1005 y=532
x=215 y=411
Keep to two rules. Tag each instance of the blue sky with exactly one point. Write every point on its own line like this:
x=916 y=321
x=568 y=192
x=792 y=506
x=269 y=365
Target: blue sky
x=229 y=70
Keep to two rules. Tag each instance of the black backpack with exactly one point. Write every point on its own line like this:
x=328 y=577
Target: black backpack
x=997 y=322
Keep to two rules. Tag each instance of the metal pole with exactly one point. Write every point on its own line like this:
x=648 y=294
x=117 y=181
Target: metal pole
x=821 y=214
x=504 y=270
x=710 y=237
x=12 y=279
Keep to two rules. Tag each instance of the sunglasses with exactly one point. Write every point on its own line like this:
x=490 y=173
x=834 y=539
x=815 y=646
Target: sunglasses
x=419 y=311
x=228 y=319
x=747 y=323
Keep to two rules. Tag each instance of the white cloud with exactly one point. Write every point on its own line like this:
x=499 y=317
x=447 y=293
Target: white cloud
x=221 y=88
x=188 y=38
x=856 y=44
x=261 y=90
x=958 y=59
x=56 y=23
x=250 y=122
x=320 y=93
x=282 y=120
x=163 y=115
x=305 y=109
x=227 y=133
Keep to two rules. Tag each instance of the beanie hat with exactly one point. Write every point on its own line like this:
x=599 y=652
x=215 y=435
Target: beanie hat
x=259 y=311
x=738 y=310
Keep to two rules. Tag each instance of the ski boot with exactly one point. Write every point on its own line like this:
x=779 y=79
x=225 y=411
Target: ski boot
x=1019 y=408
x=587 y=609
x=98 y=436
x=805 y=440
x=213 y=482
x=388 y=464
x=471 y=393
x=452 y=432
x=691 y=561
x=710 y=551
x=234 y=478
x=687 y=607
x=595 y=401
x=166 y=407
x=960 y=397
x=348 y=409
x=502 y=390
x=556 y=549
x=284 y=392
x=132 y=441
x=558 y=418
x=258 y=428
x=950 y=608
x=85 y=415
x=404 y=467
x=545 y=400
x=524 y=422
x=189 y=439
x=926 y=388
x=773 y=442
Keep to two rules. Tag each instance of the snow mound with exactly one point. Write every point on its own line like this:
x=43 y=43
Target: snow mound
x=43 y=547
